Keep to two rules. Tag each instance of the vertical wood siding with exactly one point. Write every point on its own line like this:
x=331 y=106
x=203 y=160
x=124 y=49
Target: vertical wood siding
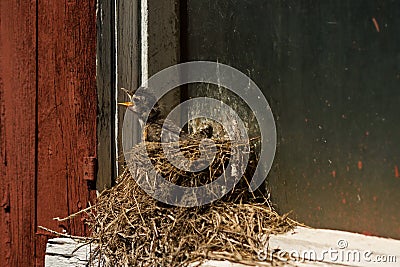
x=17 y=132
x=48 y=108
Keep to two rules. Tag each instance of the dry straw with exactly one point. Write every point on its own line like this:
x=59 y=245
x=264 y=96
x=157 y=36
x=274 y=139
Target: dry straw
x=134 y=229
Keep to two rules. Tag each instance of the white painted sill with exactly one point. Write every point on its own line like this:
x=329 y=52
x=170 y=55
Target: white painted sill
x=305 y=246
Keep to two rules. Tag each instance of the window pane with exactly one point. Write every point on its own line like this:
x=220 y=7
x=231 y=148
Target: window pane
x=331 y=73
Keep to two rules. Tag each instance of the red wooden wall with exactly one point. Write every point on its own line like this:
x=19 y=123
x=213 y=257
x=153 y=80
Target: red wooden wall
x=48 y=108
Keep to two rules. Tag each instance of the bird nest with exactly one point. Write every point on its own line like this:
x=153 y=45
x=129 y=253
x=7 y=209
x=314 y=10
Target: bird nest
x=134 y=229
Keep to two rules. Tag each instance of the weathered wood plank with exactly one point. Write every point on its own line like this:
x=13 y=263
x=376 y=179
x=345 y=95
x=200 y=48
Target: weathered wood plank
x=105 y=97
x=67 y=252
x=64 y=65
x=303 y=241
x=142 y=55
x=17 y=132
x=128 y=65
x=163 y=33
x=338 y=247
x=66 y=110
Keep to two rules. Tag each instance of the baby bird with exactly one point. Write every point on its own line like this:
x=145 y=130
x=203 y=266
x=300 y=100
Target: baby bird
x=141 y=104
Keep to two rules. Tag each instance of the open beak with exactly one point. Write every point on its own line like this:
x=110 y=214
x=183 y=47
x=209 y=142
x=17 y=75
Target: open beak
x=126 y=104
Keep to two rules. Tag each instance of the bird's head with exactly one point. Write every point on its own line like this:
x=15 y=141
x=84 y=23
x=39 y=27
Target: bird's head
x=141 y=103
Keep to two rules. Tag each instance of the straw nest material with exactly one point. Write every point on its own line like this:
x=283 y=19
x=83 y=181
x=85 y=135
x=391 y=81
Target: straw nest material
x=134 y=229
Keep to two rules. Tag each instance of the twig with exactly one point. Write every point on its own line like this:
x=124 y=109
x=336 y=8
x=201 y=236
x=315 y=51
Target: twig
x=72 y=215
x=65 y=235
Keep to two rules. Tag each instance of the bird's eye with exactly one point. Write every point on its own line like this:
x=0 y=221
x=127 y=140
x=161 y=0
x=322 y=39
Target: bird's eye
x=135 y=99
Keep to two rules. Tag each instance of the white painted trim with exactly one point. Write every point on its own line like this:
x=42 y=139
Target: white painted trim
x=337 y=248
x=144 y=35
x=59 y=250
x=116 y=82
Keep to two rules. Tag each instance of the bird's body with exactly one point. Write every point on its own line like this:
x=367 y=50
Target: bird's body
x=152 y=131
x=152 y=121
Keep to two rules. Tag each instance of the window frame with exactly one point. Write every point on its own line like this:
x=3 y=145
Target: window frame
x=135 y=40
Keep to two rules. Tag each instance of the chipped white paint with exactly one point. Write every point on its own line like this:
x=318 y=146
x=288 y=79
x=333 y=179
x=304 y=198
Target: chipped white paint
x=116 y=89
x=338 y=247
x=144 y=40
x=66 y=252
x=59 y=250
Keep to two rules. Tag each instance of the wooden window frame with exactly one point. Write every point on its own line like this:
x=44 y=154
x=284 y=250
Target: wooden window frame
x=136 y=39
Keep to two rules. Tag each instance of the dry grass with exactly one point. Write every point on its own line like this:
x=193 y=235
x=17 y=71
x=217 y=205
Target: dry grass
x=134 y=229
